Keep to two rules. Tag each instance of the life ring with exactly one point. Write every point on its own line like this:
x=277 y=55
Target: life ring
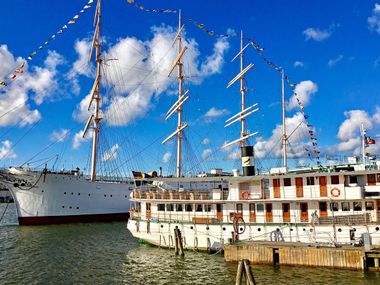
x=335 y=192
x=245 y=195
x=239 y=230
x=132 y=211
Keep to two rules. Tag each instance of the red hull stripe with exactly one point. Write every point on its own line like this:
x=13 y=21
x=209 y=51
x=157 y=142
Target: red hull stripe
x=48 y=220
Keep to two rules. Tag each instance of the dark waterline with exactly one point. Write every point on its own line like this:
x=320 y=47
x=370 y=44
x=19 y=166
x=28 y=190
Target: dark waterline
x=106 y=253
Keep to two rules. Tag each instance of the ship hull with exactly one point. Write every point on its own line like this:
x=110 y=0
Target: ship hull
x=49 y=220
x=54 y=198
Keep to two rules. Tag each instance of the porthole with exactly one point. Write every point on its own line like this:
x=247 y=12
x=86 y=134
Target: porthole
x=377 y=228
x=277 y=229
x=311 y=230
x=72 y=193
x=162 y=226
x=339 y=230
x=224 y=228
x=207 y=228
x=105 y=195
x=304 y=230
x=259 y=229
x=77 y=208
x=64 y=193
x=354 y=229
x=291 y=229
x=111 y=195
x=89 y=194
x=70 y=207
x=63 y=206
x=191 y=227
x=241 y=229
x=42 y=191
x=78 y=194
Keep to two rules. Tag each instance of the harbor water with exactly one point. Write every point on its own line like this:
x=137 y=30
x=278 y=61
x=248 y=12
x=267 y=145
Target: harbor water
x=106 y=253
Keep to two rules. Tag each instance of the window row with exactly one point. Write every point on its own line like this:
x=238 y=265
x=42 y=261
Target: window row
x=186 y=207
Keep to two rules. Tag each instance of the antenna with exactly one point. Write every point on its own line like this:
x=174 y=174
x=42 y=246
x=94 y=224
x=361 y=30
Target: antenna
x=284 y=137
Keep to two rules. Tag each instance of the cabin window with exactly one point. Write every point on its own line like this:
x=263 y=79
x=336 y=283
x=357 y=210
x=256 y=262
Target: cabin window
x=335 y=179
x=179 y=208
x=285 y=207
x=252 y=208
x=371 y=179
x=160 y=207
x=169 y=207
x=260 y=208
x=189 y=207
x=353 y=179
x=322 y=206
x=198 y=208
x=287 y=182
x=208 y=208
x=357 y=206
x=310 y=181
x=345 y=206
x=334 y=206
x=239 y=208
x=369 y=206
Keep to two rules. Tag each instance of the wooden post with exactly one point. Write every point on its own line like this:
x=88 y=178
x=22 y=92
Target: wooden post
x=176 y=240
x=248 y=272
x=239 y=273
x=179 y=238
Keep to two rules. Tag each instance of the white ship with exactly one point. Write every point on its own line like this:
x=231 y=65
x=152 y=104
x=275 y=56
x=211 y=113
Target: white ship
x=46 y=197
x=321 y=206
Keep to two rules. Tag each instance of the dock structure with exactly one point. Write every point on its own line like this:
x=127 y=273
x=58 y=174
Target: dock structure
x=298 y=254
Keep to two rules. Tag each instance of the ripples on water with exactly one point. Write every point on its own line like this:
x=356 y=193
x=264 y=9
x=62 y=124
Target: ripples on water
x=106 y=253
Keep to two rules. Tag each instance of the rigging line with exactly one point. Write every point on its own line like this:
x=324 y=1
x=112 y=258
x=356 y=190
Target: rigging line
x=47 y=147
x=11 y=110
x=21 y=138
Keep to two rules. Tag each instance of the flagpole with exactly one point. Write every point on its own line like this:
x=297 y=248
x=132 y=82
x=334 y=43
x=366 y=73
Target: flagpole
x=363 y=143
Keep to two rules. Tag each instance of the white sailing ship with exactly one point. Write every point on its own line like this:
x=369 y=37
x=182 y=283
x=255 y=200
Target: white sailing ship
x=48 y=197
x=337 y=205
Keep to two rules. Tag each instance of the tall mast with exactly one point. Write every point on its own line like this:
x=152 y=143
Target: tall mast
x=242 y=91
x=284 y=137
x=179 y=110
x=182 y=97
x=95 y=92
x=363 y=133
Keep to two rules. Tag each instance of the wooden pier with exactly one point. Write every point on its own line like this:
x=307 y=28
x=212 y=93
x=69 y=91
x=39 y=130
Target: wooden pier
x=296 y=254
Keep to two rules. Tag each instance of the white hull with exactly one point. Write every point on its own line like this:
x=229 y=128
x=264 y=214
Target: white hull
x=203 y=237
x=48 y=198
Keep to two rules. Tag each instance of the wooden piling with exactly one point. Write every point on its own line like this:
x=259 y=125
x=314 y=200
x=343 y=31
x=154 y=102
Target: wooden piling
x=248 y=272
x=239 y=273
x=180 y=244
x=176 y=240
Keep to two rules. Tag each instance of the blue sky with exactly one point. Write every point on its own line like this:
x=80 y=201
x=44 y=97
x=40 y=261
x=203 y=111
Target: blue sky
x=331 y=46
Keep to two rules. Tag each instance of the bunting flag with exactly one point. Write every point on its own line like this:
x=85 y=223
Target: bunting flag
x=142 y=8
x=368 y=140
x=12 y=76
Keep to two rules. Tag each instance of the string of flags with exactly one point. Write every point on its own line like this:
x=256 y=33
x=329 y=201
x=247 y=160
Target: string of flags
x=20 y=69
x=259 y=49
x=142 y=8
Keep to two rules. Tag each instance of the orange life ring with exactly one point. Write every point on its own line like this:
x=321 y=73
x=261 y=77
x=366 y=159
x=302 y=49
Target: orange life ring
x=132 y=211
x=245 y=195
x=335 y=192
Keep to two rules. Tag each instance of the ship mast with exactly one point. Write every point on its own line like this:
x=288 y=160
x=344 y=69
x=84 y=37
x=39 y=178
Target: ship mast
x=246 y=151
x=182 y=97
x=95 y=117
x=284 y=137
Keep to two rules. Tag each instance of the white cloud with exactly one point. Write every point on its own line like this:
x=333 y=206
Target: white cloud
x=206 y=141
x=319 y=35
x=349 y=131
x=374 y=19
x=272 y=147
x=59 y=136
x=166 y=157
x=140 y=72
x=298 y=63
x=6 y=150
x=111 y=154
x=334 y=61
x=39 y=83
x=206 y=154
x=304 y=90
x=78 y=140
x=234 y=154
x=214 y=114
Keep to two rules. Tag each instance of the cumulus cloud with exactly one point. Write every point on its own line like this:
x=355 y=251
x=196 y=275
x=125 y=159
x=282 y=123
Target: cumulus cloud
x=111 y=154
x=272 y=146
x=59 y=136
x=304 y=90
x=139 y=72
x=318 y=34
x=206 y=154
x=298 y=63
x=37 y=83
x=214 y=114
x=78 y=139
x=334 y=61
x=374 y=19
x=6 y=150
x=234 y=154
x=166 y=157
